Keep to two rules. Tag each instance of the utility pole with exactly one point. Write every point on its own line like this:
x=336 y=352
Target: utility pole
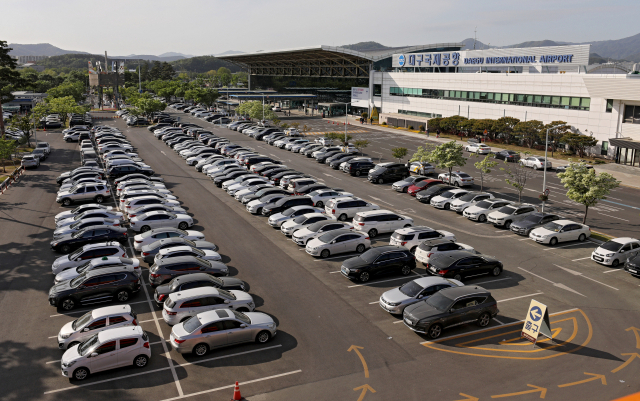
x=544 y=174
x=474 y=37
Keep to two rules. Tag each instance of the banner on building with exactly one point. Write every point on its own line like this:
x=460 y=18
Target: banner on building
x=91 y=70
x=359 y=97
x=121 y=69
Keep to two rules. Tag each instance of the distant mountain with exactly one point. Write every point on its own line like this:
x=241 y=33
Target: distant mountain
x=150 y=57
x=468 y=44
x=174 y=54
x=229 y=52
x=540 y=43
x=366 y=46
x=40 y=49
x=619 y=48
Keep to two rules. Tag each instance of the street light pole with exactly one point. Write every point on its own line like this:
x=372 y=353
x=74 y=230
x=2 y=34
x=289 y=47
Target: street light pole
x=544 y=174
x=346 y=105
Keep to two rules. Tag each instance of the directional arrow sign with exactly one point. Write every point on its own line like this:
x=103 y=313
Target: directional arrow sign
x=364 y=389
x=636 y=331
x=542 y=390
x=594 y=376
x=364 y=363
x=624 y=365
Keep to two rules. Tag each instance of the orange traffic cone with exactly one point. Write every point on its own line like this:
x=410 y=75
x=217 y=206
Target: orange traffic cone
x=45 y=128
x=236 y=393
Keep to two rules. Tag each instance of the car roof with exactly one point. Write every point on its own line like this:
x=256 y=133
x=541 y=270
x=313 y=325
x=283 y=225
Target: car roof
x=176 y=248
x=177 y=259
x=119 y=332
x=436 y=242
x=385 y=248
x=452 y=256
x=375 y=212
x=624 y=240
x=111 y=310
x=106 y=260
x=565 y=222
x=454 y=293
x=194 y=293
x=214 y=315
x=414 y=229
x=102 y=244
x=187 y=278
x=100 y=272
x=433 y=280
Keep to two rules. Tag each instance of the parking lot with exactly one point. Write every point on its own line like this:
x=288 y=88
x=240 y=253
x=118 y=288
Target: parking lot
x=334 y=341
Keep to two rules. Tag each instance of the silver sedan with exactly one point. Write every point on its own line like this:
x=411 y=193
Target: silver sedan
x=338 y=241
x=147 y=221
x=394 y=301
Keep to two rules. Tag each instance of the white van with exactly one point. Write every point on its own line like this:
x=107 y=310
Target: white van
x=347 y=207
x=376 y=222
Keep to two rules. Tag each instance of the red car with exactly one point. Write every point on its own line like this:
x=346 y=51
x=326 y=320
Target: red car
x=421 y=186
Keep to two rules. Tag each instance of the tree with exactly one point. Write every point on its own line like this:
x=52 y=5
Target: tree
x=447 y=155
x=480 y=126
x=466 y=126
x=555 y=134
x=585 y=186
x=360 y=144
x=579 y=142
x=148 y=106
x=528 y=131
x=224 y=75
x=423 y=153
x=295 y=125
x=450 y=124
x=434 y=124
x=24 y=124
x=484 y=166
x=504 y=126
x=9 y=78
x=518 y=176
x=399 y=153
x=7 y=147
x=73 y=89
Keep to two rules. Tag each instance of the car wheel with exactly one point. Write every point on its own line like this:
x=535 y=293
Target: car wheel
x=507 y=224
x=99 y=199
x=122 y=296
x=200 y=349
x=553 y=241
x=364 y=277
x=66 y=202
x=380 y=181
x=319 y=204
x=482 y=218
x=413 y=250
x=457 y=277
x=435 y=331
x=325 y=253
x=405 y=189
x=80 y=373
x=615 y=263
x=484 y=320
x=455 y=184
x=358 y=173
x=140 y=361
x=183 y=226
x=447 y=206
x=65 y=249
x=144 y=229
x=360 y=248
x=343 y=217
x=68 y=304
x=372 y=233
x=263 y=337
x=406 y=269
x=496 y=271
x=259 y=211
x=582 y=237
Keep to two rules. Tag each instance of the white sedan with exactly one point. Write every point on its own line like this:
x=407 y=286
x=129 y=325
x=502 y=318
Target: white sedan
x=300 y=222
x=535 y=162
x=321 y=196
x=157 y=219
x=186 y=250
x=560 y=231
x=479 y=148
x=157 y=234
x=458 y=178
x=98 y=213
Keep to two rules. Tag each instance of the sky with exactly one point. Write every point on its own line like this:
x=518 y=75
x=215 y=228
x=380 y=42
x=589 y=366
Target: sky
x=200 y=27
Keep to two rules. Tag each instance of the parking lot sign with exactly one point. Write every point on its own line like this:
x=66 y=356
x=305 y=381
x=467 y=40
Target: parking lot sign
x=537 y=322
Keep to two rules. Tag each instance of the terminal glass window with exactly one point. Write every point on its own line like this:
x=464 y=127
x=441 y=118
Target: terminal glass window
x=632 y=114
x=609 y=105
x=377 y=90
x=419 y=114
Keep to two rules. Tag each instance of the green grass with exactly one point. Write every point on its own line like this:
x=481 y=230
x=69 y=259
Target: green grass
x=600 y=236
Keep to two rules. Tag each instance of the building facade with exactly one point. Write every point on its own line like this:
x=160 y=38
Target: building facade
x=30 y=59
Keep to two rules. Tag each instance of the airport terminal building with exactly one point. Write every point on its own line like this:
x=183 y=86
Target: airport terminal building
x=410 y=85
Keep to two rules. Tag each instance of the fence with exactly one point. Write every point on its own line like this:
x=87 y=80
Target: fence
x=11 y=179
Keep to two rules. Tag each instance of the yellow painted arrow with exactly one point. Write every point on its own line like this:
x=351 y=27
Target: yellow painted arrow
x=624 y=365
x=594 y=376
x=364 y=389
x=364 y=363
x=636 y=331
x=542 y=390
x=554 y=334
x=469 y=397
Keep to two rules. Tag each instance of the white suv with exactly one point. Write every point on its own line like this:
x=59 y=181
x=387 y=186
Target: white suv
x=347 y=207
x=113 y=348
x=480 y=210
x=444 y=201
x=92 y=322
x=180 y=306
x=86 y=253
x=411 y=237
x=435 y=247
x=506 y=215
x=375 y=222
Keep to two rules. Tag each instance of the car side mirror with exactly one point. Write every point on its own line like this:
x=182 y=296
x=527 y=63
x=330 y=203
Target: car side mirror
x=226 y=301
x=243 y=325
x=94 y=354
x=419 y=296
x=86 y=329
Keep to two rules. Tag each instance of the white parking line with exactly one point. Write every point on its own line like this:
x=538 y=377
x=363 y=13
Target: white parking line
x=337 y=271
x=87 y=310
x=371 y=303
x=575 y=273
x=499 y=322
x=614 y=217
x=614 y=270
x=244 y=383
x=333 y=257
x=521 y=296
x=575 y=260
x=560 y=247
x=492 y=281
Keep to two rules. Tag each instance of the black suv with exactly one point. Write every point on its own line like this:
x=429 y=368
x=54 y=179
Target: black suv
x=388 y=172
x=165 y=270
x=285 y=203
x=380 y=260
x=451 y=307
x=119 y=171
x=89 y=235
x=460 y=264
x=100 y=285
x=359 y=167
x=196 y=280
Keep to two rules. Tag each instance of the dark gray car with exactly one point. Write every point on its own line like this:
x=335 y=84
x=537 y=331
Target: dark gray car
x=164 y=270
x=196 y=280
x=534 y=220
x=149 y=251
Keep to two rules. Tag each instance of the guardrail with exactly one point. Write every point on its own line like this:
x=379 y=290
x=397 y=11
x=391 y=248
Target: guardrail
x=11 y=179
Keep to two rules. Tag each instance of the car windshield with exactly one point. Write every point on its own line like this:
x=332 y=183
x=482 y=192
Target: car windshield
x=448 y=194
x=192 y=324
x=369 y=256
x=242 y=317
x=328 y=237
x=468 y=197
x=300 y=219
x=411 y=289
x=439 y=301
x=533 y=218
x=78 y=234
x=87 y=345
x=612 y=246
x=77 y=281
x=288 y=212
x=378 y=168
x=464 y=175
x=483 y=204
x=75 y=253
x=82 y=320
x=226 y=294
x=555 y=227
x=83 y=267
x=507 y=209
